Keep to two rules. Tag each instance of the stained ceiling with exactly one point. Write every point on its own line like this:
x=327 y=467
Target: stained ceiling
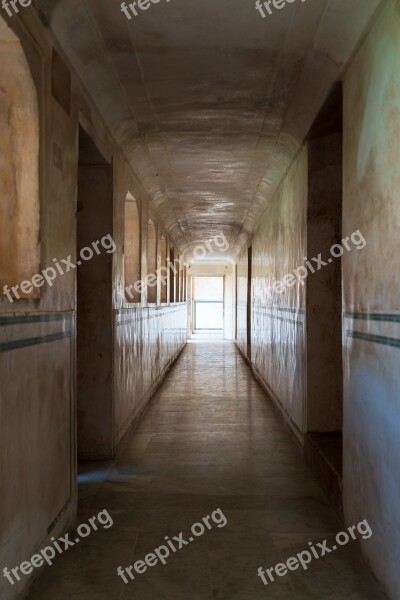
x=209 y=101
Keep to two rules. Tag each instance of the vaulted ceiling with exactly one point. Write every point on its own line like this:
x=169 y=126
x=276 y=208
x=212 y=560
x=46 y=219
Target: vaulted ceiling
x=209 y=101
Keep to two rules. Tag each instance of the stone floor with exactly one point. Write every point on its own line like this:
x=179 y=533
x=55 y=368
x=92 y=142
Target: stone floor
x=208 y=440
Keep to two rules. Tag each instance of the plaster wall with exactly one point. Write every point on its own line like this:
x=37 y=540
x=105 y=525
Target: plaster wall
x=241 y=300
x=147 y=337
x=38 y=334
x=19 y=167
x=278 y=319
x=371 y=281
x=37 y=347
x=147 y=341
x=370 y=291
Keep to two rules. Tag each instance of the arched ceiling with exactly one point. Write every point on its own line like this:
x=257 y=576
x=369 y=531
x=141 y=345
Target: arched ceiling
x=209 y=101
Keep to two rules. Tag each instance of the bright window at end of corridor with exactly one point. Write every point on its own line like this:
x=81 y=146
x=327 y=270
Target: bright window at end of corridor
x=208 y=296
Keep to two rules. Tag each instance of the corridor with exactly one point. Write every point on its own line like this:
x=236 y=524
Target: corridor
x=204 y=444
x=199 y=299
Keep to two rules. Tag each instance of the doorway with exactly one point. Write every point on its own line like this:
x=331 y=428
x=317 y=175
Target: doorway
x=94 y=303
x=324 y=411
x=248 y=300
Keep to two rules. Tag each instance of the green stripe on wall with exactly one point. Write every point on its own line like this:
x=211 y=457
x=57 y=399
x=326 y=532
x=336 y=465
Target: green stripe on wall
x=265 y=312
x=376 y=339
x=34 y=341
x=292 y=310
x=283 y=319
x=390 y=318
x=45 y=318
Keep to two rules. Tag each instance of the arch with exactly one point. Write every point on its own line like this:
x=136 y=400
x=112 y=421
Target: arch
x=180 y=279
x=164 y=270
x=171 y=267
x=19 y=170
x=177 y=278
x=184 y=284
x=132 y=252
x=152 y=280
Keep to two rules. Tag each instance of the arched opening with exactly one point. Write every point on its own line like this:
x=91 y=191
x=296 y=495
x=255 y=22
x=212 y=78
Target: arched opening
x=177 y=278
x=171 y=275
x=132 y=250
x=184 y=284
x=19 y=172
x=164 y=270
x=151 y=263
x=180 y=280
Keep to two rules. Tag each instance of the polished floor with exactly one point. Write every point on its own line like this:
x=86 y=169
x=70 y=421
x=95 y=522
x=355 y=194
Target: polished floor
x=209 y=439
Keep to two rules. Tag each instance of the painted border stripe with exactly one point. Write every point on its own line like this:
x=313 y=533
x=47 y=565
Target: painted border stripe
x=22 y=319
x=377 y=339
x=283 y=319
x=390 y=318
x=17 y=344
x=291 y=310
x=272 y=316
x=140 y=319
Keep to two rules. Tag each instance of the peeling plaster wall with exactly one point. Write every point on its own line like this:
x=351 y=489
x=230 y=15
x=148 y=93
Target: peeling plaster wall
x=38 y=336
x=371 y=281
x=19 y=165
x=278 y=319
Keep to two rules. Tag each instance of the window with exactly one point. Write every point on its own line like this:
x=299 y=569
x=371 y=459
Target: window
x=208 y=303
